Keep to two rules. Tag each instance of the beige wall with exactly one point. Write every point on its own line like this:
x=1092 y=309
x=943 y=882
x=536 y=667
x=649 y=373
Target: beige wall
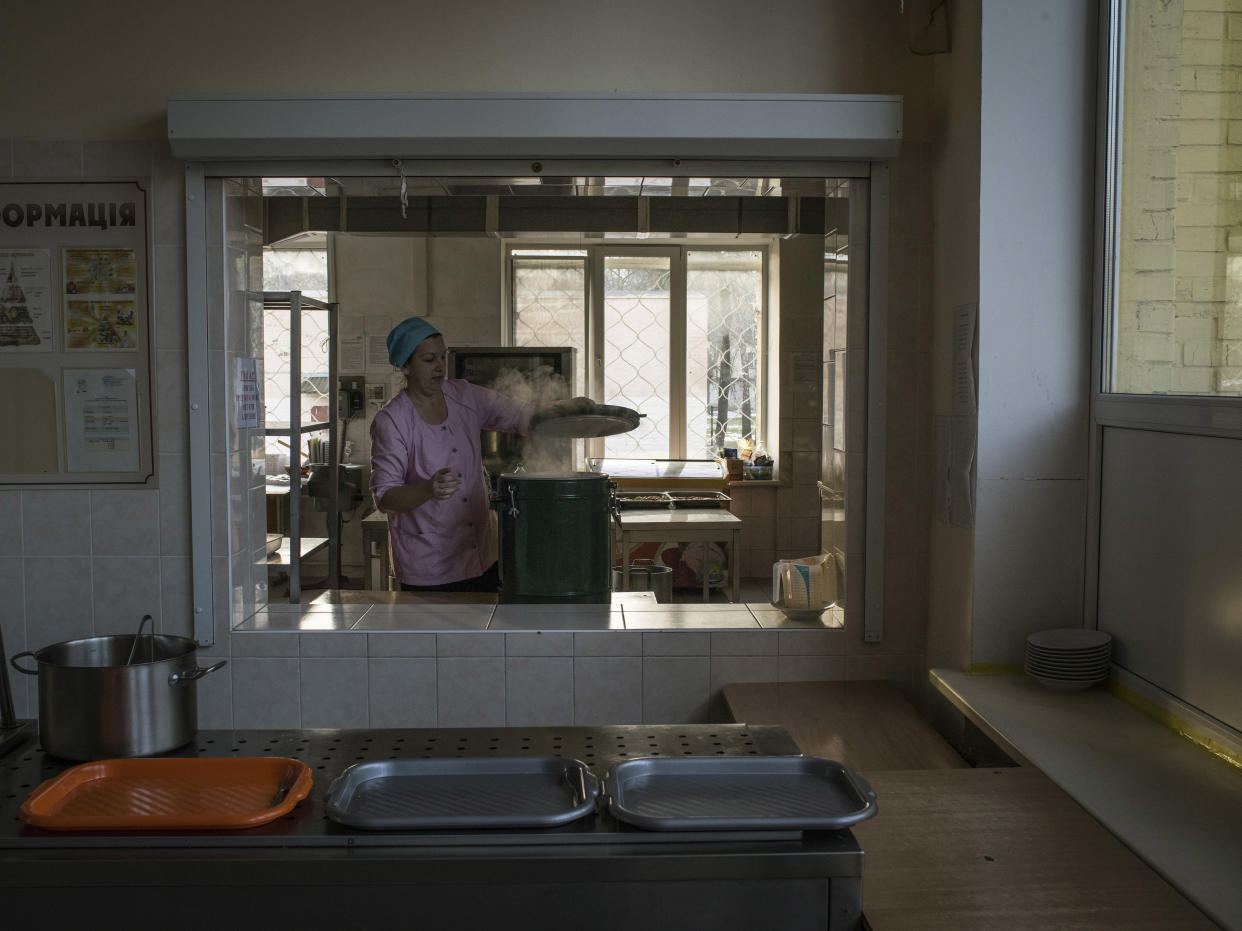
x=955 y=259
x=92 y=71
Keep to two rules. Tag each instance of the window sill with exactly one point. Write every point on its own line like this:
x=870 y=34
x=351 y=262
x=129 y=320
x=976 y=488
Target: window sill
x=1172 y=803
x=631 y=614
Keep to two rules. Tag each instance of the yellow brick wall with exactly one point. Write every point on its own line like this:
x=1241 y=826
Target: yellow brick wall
x=1179 y=296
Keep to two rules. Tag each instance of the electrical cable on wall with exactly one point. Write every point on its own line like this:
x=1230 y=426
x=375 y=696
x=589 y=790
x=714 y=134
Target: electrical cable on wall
x=400 y=166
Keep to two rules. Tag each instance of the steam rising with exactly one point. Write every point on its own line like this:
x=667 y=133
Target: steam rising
x=543 y=387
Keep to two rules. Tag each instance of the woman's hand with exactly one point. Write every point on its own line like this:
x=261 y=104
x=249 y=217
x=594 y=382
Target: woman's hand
x=444 y=484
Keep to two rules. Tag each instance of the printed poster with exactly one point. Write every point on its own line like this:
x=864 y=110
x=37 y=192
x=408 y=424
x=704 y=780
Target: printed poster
x=101 y=420
x=25 y=312
x=100 y=325
x=100 y=300
x=100 y=271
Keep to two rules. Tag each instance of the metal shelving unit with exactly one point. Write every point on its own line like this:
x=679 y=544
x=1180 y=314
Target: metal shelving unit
x=294 y=547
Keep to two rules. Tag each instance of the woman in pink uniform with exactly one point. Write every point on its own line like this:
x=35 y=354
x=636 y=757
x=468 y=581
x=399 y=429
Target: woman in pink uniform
x=427 y=468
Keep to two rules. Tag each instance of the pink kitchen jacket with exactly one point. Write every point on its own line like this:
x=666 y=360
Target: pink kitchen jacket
x=441 y=541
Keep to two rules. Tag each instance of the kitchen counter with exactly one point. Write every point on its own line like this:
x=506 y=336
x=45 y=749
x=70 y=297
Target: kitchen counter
x=306 y=868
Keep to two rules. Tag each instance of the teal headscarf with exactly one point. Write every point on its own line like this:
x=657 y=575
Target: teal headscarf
x=404 y=338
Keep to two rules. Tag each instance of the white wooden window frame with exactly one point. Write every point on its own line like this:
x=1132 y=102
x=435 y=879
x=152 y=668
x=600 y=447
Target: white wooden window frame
x=593 y=303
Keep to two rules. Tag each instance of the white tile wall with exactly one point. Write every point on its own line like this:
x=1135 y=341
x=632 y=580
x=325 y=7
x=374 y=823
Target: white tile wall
x=402 y=691
x=608 y=690
x=334 y=691
x=676 y=688
x=538 y=690
x=470 y=691
x=266 y=692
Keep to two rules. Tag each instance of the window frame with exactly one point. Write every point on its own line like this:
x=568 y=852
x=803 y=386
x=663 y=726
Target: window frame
x=593 y=356
x=1199 y=415
x=869 y=210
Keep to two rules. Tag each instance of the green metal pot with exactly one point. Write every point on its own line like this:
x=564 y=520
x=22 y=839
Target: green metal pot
x=555 y=537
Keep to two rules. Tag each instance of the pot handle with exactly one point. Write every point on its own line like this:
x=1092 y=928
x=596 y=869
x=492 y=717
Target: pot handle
x=191 y=675
x=17 y=656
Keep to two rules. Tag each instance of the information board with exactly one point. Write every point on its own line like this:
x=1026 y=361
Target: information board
x=75 y=333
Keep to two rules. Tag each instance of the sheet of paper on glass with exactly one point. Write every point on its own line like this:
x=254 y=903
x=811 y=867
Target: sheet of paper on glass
x=247 y=402
x=101 y=411
x=25 y=310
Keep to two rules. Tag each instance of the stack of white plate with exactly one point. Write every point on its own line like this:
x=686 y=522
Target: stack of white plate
x=1070 y=658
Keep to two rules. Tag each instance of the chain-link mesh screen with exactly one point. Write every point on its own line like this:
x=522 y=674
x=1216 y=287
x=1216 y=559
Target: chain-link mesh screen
x=304 y=270
x=724 y=305
x=637 y=293
x=549 y=305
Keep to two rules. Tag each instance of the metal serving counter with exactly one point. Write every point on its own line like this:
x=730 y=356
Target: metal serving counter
x=305 y=867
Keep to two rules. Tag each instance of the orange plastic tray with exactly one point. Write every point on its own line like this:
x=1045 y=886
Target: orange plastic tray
x=168 y=793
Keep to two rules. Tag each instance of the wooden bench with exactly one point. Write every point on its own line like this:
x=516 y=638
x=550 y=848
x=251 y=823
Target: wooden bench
x=988 y=848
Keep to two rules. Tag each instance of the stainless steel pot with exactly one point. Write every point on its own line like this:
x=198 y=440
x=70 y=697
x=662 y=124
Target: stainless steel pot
x=120 y=696
x=645 y=576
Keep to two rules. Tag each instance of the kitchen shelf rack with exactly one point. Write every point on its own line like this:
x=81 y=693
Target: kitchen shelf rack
x=294 y=548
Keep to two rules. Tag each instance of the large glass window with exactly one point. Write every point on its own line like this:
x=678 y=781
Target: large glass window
x=1177 y=308
x=675 y=333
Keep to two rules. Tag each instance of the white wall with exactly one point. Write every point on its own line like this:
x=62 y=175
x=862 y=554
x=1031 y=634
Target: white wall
x=81 y=71
x=1035 y=288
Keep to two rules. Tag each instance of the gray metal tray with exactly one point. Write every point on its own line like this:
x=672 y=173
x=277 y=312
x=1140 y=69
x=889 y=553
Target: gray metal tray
x=734 y=793
x=469 y=792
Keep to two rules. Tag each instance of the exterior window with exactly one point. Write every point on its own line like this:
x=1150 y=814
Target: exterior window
x=675 y=333
x=1177 y=305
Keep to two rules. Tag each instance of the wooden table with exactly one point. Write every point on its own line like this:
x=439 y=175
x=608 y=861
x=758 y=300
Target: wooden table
x=701 y=525
x=1003 y=848
x=865 y=725
x=962 y=848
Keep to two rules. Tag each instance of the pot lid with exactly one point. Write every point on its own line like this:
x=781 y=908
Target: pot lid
x=574 y=418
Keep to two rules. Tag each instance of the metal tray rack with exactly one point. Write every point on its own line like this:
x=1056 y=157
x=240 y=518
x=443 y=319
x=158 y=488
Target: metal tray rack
x=722 y=793
x=478 y=792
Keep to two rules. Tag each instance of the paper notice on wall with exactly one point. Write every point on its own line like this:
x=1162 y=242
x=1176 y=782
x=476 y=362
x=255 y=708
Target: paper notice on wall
x=377 y=353
x=101 y=412
x=953 y=492
x=962 y=473
x=25 y=309
x=806 y=370
x=353 y=353
x=965 y=359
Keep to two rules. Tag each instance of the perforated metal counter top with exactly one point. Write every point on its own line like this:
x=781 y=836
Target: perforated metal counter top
x=329 y=752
